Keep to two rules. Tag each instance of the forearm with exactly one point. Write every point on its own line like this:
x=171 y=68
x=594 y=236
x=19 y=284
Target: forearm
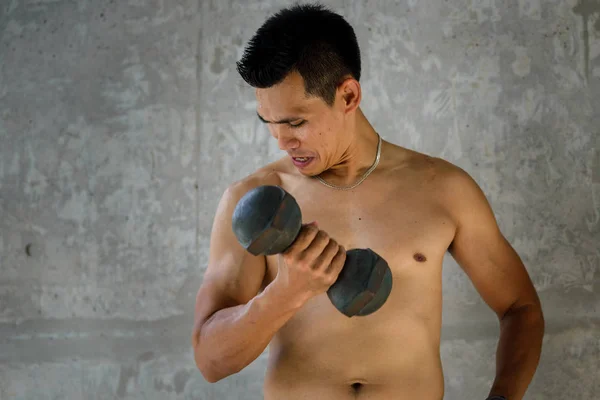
x=518 y=352
x=234 y=337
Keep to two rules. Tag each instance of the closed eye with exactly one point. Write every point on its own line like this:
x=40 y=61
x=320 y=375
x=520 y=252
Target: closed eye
x=297 y=125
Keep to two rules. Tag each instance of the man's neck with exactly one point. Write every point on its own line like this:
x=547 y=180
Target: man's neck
x=357 y=156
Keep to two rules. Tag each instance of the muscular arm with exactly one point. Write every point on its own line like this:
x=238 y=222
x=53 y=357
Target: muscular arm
x=233 y=337
x=499 y=276
x=234 y=323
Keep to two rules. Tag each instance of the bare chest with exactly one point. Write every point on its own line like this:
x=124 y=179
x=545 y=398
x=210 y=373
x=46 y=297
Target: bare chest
x=403 y=227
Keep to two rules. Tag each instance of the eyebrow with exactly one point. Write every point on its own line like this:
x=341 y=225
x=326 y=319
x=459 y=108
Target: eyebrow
x=281 y=121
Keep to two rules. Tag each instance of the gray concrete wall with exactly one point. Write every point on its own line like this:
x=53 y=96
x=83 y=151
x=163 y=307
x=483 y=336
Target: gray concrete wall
x=121 y=122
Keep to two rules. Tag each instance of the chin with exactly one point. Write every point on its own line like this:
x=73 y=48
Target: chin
x=309 y=174
x=306 y=173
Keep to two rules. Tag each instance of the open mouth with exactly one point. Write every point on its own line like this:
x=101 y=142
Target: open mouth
x=302 y=161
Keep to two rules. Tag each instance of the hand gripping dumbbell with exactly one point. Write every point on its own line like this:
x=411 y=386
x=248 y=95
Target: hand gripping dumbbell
x=267 y=220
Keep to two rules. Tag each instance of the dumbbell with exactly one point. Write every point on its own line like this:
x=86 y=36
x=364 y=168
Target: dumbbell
x=267 y=220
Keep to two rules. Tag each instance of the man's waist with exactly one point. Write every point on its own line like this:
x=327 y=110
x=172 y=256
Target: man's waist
x=327 y=387
x=357 y=366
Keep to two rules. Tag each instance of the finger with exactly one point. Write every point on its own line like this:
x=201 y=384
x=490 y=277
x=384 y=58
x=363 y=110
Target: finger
x=337 y=261
x=324 y=258
x=315 y=250
x=303 y=240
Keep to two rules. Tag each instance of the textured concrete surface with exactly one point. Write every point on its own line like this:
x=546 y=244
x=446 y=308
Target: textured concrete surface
x=121 y=122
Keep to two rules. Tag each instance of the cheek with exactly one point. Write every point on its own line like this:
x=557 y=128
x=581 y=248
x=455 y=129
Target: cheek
x=313 y=135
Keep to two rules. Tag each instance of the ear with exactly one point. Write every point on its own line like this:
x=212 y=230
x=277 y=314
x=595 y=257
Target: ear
x=350 y=94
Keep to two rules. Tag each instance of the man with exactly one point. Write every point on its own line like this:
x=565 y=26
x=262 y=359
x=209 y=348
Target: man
x=355 y=190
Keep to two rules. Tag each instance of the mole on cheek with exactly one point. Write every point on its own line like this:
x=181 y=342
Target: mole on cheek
x=420 y=257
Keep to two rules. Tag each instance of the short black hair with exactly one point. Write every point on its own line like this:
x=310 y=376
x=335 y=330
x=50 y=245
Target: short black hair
x=309 y=39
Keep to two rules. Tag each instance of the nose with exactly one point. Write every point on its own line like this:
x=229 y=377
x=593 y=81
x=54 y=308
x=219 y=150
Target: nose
x=285 y=140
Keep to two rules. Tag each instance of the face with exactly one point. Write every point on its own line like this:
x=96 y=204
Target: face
x=309 y=130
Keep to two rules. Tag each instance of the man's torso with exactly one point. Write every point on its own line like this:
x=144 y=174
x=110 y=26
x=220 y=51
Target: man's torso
x=399 y=213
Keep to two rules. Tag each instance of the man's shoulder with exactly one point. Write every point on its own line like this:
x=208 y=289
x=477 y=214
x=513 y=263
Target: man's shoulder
x=444 y=177
x=269 y=174
x=448 y=172
x=453 y=186
x=434 y=167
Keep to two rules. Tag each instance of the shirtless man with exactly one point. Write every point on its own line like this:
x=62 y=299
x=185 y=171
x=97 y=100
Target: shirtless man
x=411 y=209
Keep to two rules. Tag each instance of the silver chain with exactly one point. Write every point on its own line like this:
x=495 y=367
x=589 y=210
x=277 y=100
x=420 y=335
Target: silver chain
x=371 y=169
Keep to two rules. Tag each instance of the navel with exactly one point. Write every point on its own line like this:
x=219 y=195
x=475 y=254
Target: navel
x=356 y=388
x=420 y=257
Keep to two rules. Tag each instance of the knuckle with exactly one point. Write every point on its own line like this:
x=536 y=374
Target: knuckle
x=322 y=236
x=303 y=265
x=332 y=248
x=335 y=249
x=291 y=258
x=312 y=229
x=287 y=258
x=332 y=253
x=306 y=232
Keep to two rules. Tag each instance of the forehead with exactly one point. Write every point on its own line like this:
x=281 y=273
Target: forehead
x=287 y=96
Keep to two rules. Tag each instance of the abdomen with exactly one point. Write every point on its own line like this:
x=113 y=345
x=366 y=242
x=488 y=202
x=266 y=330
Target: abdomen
x=332 y=356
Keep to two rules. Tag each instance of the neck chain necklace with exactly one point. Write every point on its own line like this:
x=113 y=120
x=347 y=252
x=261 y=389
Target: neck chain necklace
x=371 y=169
